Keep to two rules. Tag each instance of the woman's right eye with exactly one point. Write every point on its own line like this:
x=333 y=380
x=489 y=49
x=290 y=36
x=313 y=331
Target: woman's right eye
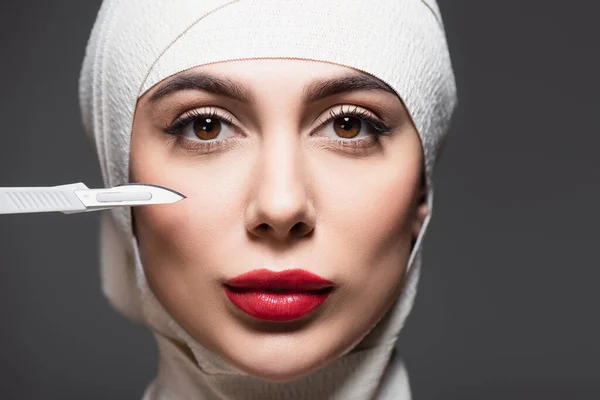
x=198 y=125
x=207 y=128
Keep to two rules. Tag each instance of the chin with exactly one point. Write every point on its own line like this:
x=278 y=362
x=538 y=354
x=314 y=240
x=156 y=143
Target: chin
x=281 y=369
x=281 y=359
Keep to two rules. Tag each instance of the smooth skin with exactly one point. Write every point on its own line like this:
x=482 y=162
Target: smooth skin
x=276 y=188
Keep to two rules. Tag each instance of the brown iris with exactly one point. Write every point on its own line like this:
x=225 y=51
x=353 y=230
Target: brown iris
x=347 y=127
x=207 y=128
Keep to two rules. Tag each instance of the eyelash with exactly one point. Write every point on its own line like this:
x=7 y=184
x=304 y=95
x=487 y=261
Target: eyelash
x=180 y=123
x=375 y=126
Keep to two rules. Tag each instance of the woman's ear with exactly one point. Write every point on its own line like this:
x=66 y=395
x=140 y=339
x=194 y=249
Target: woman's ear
x=421 y=213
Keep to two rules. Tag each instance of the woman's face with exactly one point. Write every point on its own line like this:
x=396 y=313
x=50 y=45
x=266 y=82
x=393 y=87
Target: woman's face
x=286 y=165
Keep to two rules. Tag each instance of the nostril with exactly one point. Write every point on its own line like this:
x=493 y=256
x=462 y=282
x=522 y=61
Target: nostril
x=297 y=229
x=263 y=228
x=300 y=229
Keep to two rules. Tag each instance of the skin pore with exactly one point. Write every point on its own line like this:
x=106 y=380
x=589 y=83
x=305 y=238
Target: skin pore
x=270 y=183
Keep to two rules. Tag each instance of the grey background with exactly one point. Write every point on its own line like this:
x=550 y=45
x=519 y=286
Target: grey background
x=507 y=307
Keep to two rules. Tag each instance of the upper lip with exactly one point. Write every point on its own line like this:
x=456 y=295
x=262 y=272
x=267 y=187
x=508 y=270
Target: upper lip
x=291 y=279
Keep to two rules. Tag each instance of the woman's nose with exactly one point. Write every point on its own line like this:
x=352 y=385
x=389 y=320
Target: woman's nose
x=280 y=208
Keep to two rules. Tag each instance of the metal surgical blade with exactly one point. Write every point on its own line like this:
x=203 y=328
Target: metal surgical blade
x=77 y=197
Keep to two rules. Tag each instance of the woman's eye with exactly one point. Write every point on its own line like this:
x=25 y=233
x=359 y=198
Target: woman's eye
x=347 y=127
x=353 y=124
x=352 y=130
x=205 y=128
x=199 y=126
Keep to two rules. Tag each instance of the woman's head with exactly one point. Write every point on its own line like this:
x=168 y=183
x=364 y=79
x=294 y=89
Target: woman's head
x=316 y=167
x=289 y=171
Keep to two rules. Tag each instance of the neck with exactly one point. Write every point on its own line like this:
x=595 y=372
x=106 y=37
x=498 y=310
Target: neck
x=374 y=373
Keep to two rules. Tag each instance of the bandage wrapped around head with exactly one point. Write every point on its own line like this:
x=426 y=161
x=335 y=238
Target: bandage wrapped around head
x=137 y=43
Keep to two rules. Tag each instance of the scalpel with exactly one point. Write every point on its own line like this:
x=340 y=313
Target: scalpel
x=77 y=197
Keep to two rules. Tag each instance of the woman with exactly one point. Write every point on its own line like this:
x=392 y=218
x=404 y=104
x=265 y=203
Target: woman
x=304 y=135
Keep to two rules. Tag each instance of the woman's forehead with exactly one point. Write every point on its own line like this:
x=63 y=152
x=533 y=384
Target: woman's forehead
x=243 y=80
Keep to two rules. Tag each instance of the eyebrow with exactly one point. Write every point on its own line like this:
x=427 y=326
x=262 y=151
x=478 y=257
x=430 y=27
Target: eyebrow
x=321 y=89
x=226 y=87
x=205 y=82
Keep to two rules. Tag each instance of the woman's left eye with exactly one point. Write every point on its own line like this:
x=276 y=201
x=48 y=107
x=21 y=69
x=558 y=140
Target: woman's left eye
x=353 y=124
x=347 y=127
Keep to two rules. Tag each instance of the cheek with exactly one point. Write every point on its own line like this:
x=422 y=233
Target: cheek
x=371 y=208
x=215 y=195
x=157 y=226
x=180 y=242
x=366 y=219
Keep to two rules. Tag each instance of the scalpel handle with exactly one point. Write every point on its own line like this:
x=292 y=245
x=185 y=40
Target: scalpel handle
x=18 y=200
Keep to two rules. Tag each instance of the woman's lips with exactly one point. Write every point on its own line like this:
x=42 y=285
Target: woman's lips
x=278 y=296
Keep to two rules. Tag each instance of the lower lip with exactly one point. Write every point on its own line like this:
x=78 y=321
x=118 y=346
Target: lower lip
x=276 y=306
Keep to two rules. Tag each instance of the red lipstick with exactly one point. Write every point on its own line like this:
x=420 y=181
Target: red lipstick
x=278 y=296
